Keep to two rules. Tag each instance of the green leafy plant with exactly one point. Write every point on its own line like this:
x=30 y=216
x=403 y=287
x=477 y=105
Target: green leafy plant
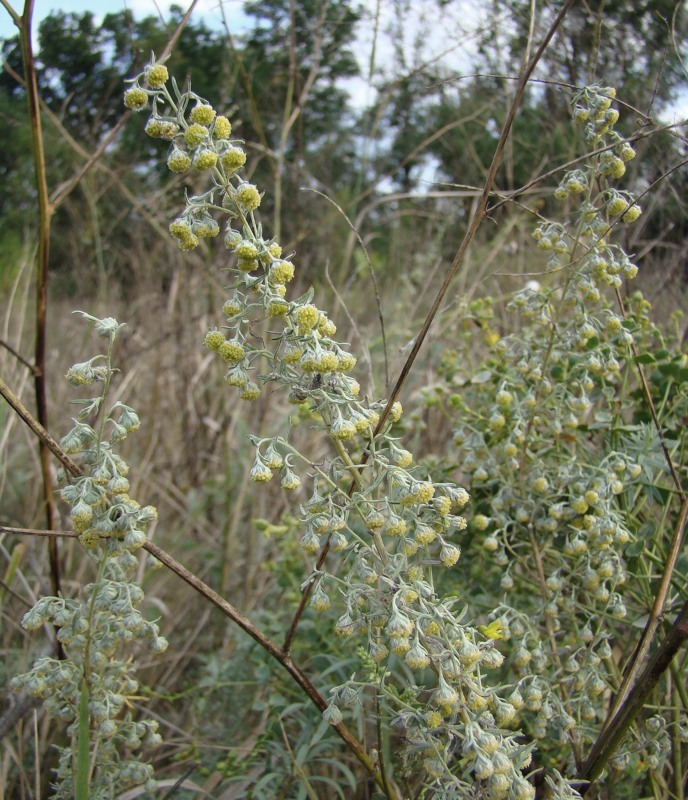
x=483 y=673
x=90 y=685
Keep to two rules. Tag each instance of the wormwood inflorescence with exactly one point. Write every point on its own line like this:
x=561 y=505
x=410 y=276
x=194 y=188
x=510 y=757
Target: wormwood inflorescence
x=549 y=439
x=389 y=523
x=90 y=688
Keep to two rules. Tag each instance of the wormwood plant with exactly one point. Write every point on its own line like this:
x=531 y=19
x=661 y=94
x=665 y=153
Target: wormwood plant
x=576 y=495
x=424 y=669
x=560 y=469
x=89 y=688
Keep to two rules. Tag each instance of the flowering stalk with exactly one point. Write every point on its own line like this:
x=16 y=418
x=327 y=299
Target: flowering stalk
x=392 y=526
x=557 y=463
x=89 y=689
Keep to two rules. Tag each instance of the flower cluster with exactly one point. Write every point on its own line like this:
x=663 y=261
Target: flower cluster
x=386 y=519
x=94 y=630
x=545 y=441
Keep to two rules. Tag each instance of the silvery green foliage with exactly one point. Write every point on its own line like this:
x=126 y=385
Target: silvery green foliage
x=96 y=630
x=545 y=433
x=389 y=523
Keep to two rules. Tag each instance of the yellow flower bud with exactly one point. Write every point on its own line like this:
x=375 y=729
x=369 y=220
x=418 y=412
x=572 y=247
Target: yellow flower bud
x=195 y=135
x=157 y=76
x=202 y=114
x=136 y=98
x=222 y=128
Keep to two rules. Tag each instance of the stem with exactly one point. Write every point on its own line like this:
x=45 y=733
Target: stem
x=643 y=646
x=45 y=213
x=477 y=220
x=479 y=216
x=575 y=746
x=103 y=394
x=282 y=657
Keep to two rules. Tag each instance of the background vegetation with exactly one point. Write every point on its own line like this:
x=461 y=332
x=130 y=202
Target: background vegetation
x=371 y=133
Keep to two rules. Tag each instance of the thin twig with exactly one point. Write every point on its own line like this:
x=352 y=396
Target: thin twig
x=478 y=218
x=18 y=356
x=44 y=437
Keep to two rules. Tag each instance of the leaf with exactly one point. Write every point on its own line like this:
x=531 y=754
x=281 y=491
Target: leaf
x=671 y=370
x=644 y=358
x=305 y=298
x=482 y=377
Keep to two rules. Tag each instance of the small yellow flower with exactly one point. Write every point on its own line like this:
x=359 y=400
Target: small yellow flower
x=281 y=272
x=616 y=205
x=480 y=522
x=540 y=485
x=136 y=98
x=396 y=526
x=424 y=535
x=250 y=392
x=202 y=114
x=188 y=243
x=205 y=159
x=346 y=362
x=417 y=657
x=579 y=505
x=260 y=473
x=292 y=354
x=158 y=128
x=395 y=412
x=222 y=128
x=423 y=492
x=442 y=505
x=434 y=719
x=81 y=516
x=343 y=429
x=246 y=249
x=328 y=362
x=278 y=308
x=307 y=318
x=449 y=555
x=320 y=602
x=214 y=340
x=195 y=135
x=497 y=421
x=403 y=458
x=492 y=631
x=157 y=76
x=249 y=196
x=633 y=213
x=232 y=352
x=178 y=161
x=233 y=159
x=247 y=264
x=326 y=327
x=626 y=152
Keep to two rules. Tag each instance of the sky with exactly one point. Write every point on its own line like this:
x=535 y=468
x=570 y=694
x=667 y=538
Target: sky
x=452 y=42
x=419 y=36
x=209 y=10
